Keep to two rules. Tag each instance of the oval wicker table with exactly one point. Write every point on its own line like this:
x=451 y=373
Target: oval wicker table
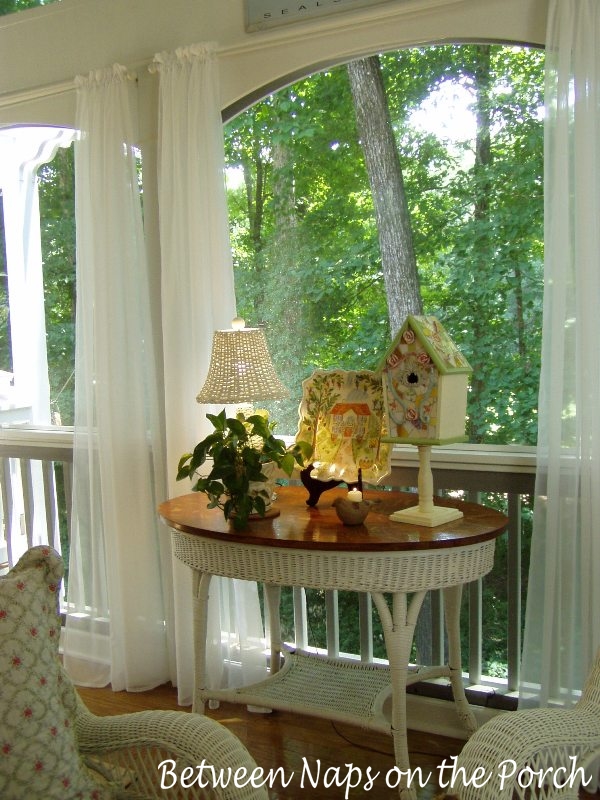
x=310 y=547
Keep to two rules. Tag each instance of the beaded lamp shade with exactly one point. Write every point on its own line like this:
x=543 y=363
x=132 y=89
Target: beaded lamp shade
x=241 y=369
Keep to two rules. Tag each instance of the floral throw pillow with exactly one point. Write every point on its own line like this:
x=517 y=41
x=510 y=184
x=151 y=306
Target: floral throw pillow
x=38 y=748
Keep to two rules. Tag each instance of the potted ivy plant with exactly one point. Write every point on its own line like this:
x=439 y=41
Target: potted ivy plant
x=244 y=450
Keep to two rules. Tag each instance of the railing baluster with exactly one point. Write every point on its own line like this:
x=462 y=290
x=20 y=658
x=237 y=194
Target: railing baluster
x=475 y=626
x=50 y=507
x=7 y=508
x=332 y=623
x=300 y=619
x=365 y=622
x=27 y=486
x=67 y=468
x=514 y=591
x=437 y=627
x=475 y=617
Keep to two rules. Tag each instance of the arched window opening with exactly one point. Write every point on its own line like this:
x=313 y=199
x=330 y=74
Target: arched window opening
x=320 y=257
x=38 y=273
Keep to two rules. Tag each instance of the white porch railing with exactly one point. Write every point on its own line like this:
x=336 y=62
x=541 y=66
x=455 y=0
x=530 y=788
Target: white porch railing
x=475 y=472
x=35 y=492
x=479 y=470
x=36 y=478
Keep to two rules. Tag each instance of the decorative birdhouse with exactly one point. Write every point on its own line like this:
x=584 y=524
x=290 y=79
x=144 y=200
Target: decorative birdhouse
x=425 y=382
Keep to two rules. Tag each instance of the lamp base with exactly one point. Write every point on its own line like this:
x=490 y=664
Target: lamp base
x=438 y=515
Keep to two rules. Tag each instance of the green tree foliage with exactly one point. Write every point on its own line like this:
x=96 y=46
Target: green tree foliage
x=10 y=6
x=312 y=274
x=57 y=228
x=392 y=216
x=316 y=289
x=57 y=221
x=494 y=269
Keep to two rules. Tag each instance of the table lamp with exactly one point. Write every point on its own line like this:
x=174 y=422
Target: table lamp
x=245 y=454
x=240 y=370
x=425 y=382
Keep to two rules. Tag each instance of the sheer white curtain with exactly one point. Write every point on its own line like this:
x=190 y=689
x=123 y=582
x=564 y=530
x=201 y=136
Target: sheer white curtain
x=115 y=627
x=562 y=628
x=197 y=298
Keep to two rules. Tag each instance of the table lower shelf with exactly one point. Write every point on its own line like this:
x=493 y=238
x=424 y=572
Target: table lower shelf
x=338 y=689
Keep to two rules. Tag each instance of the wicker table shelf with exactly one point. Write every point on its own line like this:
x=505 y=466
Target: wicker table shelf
x=310 y=547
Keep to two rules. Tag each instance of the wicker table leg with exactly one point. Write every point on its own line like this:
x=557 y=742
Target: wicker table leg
x=200 y=585
x=398 y=630
x=452 y=597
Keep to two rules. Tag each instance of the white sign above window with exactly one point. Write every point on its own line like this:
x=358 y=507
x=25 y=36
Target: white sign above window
x=263 y=14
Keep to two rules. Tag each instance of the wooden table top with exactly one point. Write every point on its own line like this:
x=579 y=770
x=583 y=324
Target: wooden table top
x=302 y=527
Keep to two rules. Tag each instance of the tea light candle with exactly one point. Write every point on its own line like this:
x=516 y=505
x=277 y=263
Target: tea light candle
x=355 y=496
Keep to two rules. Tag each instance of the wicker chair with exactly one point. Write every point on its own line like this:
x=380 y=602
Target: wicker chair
x=563 y=741
x=52 y=746
x=131 y=747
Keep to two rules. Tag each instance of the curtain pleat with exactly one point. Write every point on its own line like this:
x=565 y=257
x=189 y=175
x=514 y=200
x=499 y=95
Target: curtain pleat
x=197 y=298
x=115 y=629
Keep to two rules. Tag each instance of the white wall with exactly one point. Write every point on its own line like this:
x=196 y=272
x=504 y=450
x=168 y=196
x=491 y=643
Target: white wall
x=42 y=49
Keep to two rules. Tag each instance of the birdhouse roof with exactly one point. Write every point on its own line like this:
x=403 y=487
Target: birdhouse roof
x=436 y=342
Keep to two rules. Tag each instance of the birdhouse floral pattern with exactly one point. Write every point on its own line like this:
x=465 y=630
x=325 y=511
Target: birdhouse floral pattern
x=418 y=360
x=412 y=389
x=38 y=750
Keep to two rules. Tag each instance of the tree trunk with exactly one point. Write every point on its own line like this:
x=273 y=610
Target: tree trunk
x=398 y=260
x=483 y=142
x=481 y=193
x=287 y=333
x=254 y=171
x=387 y=188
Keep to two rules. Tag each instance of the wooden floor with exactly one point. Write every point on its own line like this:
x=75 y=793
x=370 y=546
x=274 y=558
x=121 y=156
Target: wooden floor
x=299 y=743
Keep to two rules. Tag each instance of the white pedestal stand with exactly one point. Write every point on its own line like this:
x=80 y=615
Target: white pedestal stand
x=426 y=513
